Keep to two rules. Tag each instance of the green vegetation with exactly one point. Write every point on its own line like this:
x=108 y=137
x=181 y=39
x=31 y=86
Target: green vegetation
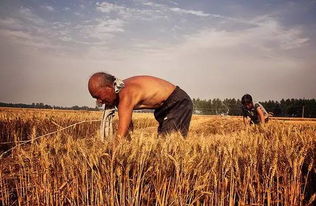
x=283 y=108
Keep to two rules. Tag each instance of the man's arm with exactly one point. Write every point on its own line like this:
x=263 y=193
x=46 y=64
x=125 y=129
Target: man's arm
x=261 y=115
x=125 y=110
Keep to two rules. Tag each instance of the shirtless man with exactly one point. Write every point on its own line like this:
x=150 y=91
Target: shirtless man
x=173 y=107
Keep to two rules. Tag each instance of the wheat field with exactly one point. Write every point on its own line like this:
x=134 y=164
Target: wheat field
x=221 y=162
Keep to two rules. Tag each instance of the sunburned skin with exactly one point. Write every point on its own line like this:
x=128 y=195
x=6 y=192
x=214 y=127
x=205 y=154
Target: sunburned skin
x=146 y=92
x=140 y=92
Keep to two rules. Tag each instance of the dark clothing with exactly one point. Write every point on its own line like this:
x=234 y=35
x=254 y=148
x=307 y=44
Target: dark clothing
x=253 y=113
x=175 y=113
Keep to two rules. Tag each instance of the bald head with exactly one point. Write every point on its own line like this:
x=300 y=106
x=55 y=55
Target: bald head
x=100 y=79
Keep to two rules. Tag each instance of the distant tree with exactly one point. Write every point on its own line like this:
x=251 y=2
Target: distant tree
x=286 y=107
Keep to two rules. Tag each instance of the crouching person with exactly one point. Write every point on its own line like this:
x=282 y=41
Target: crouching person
x=255 y=111
x=173 y=107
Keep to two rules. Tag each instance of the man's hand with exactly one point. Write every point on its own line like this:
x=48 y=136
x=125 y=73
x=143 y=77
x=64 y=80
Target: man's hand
x=117 y=140
x=246 y=121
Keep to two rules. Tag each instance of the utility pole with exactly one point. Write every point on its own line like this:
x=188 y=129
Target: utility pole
x=303 y=111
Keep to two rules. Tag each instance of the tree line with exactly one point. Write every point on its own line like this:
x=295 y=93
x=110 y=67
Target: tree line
x=228 y=106
x=283 y=108
x=46 y=106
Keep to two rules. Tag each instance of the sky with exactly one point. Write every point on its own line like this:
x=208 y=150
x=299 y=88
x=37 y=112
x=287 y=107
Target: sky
x=210 y=48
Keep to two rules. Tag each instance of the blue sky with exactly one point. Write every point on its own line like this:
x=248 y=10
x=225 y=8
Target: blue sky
x=212 y=49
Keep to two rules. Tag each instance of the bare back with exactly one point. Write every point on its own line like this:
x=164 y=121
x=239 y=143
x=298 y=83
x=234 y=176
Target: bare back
x=146 y=92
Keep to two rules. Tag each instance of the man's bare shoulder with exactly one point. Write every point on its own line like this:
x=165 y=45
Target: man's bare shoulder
x=144 y=78
x=146 y=91
x=148 y=81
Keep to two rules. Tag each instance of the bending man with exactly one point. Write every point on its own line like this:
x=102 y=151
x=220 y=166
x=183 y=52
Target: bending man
x=255 y=111
x=173 y=107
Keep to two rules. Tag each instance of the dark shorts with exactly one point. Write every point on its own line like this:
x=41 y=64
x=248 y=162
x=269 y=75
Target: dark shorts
x=175 y=113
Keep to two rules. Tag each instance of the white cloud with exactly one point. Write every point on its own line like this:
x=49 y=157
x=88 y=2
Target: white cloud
x=26 y=29
x=49 y=8
x=107 y=7
x=272 y=33
x=11 y=23
x=192 y=12
x=129 y=13
x=99 y=31
x=105 y=28
x=27 y=39
x=176 y=9
x=29 y=30
x=156 y=11
x=152 y=4
x=266 y=36
x=28 y=15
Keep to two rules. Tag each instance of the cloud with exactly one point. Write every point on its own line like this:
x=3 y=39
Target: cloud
x=192 y=12
x=130 y=14
x=124 y=12
x=264 y=33
x=267 y=35
x=49 y=8
x=265 y=38
x=11 y=23
x=153 y=11
x=152 y=4
x=177 y=10
x=28 y=39
x=272 y=33
x=26 y=29
x=29 y=17
x=107 y=7
x=30 y=30
x=105 y=28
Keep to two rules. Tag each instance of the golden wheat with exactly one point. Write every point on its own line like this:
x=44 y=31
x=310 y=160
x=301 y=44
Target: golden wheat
x=221 y=162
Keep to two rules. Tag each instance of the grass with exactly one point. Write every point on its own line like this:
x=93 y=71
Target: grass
x=221 y=162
